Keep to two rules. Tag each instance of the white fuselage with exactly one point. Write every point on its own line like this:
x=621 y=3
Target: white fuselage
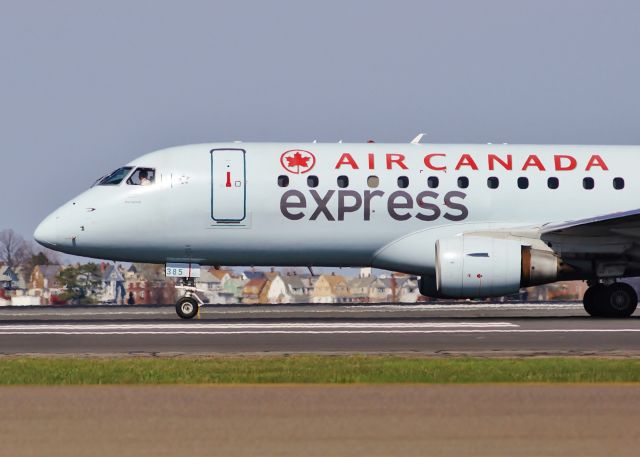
x=232 y=207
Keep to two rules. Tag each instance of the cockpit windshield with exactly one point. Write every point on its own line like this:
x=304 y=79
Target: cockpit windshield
x=115 y=178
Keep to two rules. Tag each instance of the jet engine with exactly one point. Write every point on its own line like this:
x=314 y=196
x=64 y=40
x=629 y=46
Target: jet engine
x=475 y=267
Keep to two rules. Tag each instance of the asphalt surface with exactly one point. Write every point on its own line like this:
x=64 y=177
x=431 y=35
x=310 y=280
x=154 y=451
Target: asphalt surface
x=409 y=420
x=451 y=329
x=318 y=420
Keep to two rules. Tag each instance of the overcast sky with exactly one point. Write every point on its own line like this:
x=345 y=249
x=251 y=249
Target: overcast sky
x=87 y=86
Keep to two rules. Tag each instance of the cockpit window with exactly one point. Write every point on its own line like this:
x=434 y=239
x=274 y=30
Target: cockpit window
x=142 y=177
x=115 y=178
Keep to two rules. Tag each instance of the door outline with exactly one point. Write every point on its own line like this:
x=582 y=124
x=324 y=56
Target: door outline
x=244 y=183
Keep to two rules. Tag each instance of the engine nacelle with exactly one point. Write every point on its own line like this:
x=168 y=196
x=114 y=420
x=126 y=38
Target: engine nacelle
x=475 y=267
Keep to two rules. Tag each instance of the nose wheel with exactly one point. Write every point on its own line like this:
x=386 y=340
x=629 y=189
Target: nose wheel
x=189 y=304
x=615 y=300
x=187 y=307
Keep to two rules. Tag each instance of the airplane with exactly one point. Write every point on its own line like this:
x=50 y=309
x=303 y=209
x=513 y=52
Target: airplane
x=472 y=220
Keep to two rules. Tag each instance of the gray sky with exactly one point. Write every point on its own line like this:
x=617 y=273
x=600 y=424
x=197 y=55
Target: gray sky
x=87 y=86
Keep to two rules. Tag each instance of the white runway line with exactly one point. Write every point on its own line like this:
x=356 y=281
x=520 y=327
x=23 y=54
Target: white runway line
x=313 y=332
x=258 y=326
x=343 y=328
x=193 y=328
x=73 y=313
x=473 y=307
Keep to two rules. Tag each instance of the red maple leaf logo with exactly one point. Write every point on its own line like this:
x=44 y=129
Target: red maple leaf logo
x=297 y=161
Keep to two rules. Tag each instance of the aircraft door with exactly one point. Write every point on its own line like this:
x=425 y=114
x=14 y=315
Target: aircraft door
x=228 y=179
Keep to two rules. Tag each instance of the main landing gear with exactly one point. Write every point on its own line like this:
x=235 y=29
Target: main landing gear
x=189 y=304
x=617 y=299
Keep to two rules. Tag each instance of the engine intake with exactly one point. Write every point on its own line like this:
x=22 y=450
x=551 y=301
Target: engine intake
x=475 y=267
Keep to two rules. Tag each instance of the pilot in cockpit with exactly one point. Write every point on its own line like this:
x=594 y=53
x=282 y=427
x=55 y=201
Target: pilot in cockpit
x=144 y=178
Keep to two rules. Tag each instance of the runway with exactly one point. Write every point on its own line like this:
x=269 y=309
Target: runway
x=483 y=329
x=313 y=420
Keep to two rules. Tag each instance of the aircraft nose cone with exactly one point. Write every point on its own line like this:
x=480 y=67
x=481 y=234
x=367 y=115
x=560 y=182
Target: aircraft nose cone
x=46 y=233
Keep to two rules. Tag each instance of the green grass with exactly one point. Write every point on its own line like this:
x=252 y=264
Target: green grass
x=312 y=369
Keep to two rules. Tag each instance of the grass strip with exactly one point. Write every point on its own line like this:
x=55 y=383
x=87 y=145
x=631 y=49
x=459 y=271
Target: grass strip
x=313 y=369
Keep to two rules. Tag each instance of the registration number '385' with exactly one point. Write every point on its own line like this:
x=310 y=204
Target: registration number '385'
x=182 y=270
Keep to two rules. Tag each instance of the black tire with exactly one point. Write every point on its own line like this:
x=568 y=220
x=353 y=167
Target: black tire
x=593 y=298
x=619 y=300
x=187 y=307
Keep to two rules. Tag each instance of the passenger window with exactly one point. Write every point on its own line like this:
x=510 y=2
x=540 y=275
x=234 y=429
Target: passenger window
x=312 y=181
x=343 y=181
x=618 y=183
x=433 y=182
x=142 y=177
x=523 y=182
x=373 y=181
x=588 y=183
x=463 y=182
x=493 y=182
x=553 y=183
x=403 y=182
x=283 y=181
x=115 y=178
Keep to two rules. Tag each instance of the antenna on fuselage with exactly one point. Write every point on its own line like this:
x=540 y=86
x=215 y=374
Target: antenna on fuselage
x=418 y=138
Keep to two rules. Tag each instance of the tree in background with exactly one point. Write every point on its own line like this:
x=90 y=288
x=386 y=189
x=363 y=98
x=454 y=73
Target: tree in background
x=81 y=282
x=13 y=249
x=22 y=256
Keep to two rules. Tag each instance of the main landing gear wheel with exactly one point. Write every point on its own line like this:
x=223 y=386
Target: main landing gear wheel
x=187 y=307
x=593 y=298
x=620 y=300
x=616 y=300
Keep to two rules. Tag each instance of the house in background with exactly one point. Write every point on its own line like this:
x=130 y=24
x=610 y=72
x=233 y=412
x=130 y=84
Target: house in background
x=44 y=282
x=381 y=290
x=360 y=288
x=8 y=278
x=252 y=293
x=288 y=289
x=149 y=285
x=234 y=288
x=331 y=289
x=212 y=282
x=409 y=290
x=23 y=279
x=221 y=275
x=296 y=290
x=308 y=284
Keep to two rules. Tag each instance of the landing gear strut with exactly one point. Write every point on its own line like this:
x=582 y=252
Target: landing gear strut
x=189 y=304
x=614 y=300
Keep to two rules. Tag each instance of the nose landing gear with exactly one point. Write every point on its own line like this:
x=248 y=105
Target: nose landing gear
x=185 y=275
x=189 y=304
x=614 y=300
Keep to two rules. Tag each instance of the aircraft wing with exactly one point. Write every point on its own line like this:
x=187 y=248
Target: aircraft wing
x=609 y=234
x=625 y=223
